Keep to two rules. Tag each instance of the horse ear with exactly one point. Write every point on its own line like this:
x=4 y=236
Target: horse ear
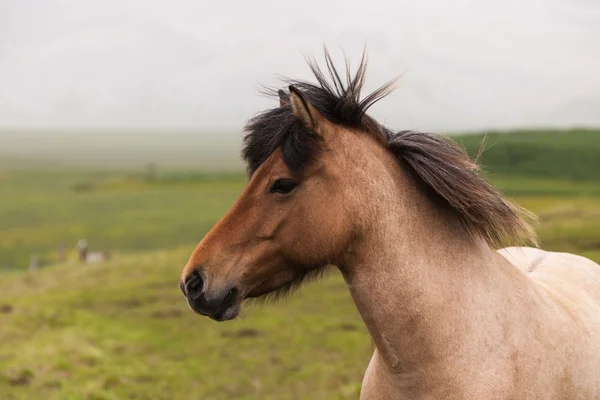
x=303 y=109
x=284 y=98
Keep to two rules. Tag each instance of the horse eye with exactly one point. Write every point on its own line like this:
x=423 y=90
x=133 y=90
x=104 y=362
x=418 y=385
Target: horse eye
x=283 y=186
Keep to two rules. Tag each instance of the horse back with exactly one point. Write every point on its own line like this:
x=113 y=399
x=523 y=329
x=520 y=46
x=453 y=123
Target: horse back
x=572 y=277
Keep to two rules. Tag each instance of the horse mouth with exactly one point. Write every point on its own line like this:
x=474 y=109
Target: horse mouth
x=229 y=310
x=227 y=314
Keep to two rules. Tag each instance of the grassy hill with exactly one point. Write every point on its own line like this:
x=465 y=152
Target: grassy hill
x=572 y=155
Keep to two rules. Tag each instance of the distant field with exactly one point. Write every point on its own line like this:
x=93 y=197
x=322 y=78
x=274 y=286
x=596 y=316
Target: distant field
x=122 y=330
x=117 y=211
x=565 y=155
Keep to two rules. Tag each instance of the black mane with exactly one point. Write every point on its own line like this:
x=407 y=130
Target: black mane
x=336 y=100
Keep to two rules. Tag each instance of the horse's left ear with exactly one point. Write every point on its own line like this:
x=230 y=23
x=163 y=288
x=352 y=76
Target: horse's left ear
x=307 y=113
x=284 y=98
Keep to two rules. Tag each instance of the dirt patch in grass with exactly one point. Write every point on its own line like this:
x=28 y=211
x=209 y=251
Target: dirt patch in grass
x=242 y=333
x=112 y=382
x=348 y=326
x=19 y=378
x=166 y=314
x=53 y=385
x=6 y=308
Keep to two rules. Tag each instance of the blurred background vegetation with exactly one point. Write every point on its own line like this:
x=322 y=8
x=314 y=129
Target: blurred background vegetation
x=121 y=329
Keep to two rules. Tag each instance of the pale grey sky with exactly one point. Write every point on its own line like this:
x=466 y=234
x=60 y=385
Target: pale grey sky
x=467 y=64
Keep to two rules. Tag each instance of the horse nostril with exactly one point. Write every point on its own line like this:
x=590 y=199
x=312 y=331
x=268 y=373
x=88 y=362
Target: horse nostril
x=194 y=284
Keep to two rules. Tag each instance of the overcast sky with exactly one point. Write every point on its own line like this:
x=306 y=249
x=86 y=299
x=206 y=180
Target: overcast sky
x=466 y=65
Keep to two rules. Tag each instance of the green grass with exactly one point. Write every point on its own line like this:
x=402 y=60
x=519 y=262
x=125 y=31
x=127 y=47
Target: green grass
x=121 y=330
x=567 y=155
x=40 y=211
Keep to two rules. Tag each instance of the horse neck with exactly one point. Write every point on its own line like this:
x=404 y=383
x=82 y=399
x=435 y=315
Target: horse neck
x=421 y=283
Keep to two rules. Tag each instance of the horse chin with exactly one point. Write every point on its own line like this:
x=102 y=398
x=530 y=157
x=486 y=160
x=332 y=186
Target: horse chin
x=229 y=314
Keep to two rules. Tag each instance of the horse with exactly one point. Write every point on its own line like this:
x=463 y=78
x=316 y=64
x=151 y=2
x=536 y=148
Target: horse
x=446 y=271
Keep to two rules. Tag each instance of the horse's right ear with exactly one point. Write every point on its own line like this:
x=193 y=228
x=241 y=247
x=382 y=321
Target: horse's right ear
x=284 y=98
x=303 y=109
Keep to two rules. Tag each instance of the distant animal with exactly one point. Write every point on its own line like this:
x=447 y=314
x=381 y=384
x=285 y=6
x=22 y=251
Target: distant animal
x=418 y=234
x=97 y=257
x=90 y=257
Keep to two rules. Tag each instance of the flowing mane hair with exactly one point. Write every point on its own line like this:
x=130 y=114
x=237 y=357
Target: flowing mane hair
x=449 y=175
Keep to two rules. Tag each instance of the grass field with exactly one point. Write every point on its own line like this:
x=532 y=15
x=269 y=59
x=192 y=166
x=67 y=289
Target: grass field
x=119 y=211
x=121 y=330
